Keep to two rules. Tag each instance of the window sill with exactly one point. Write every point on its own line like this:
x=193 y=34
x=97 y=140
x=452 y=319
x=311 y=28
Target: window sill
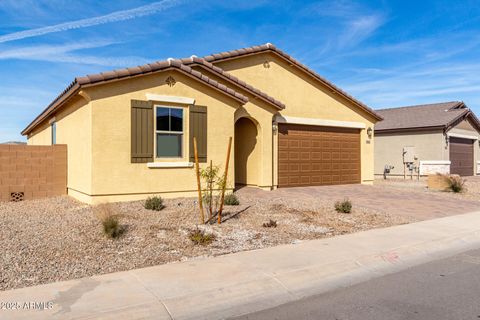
x=154 y=165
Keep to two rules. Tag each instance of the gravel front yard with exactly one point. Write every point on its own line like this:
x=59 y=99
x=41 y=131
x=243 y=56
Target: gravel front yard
x=59 y=238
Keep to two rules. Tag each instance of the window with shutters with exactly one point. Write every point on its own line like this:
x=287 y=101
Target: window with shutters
x=169 y=131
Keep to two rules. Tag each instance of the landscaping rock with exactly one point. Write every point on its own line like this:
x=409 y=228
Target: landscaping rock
x=59 y=238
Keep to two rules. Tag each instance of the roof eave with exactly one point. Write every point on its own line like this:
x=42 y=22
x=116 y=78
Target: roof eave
x=467 y=115
x=82 y=82
x=71 y=90
x=410 y=129
x=271 y=48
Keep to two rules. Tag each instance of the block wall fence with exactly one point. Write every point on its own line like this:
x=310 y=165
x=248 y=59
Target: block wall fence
x=32 y=172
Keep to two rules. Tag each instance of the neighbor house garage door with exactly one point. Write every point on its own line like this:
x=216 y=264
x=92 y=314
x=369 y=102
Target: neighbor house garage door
x=313 y=155
x=461 y=156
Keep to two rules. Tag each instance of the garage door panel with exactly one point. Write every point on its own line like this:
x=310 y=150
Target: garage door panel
x=461 y=156
x=315 y=155
x=318 y=155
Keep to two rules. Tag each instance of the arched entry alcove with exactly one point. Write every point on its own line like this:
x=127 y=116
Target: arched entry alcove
x=247 y=152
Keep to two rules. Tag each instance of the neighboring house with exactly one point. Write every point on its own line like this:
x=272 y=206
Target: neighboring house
x=439 y=137
x=129 y=132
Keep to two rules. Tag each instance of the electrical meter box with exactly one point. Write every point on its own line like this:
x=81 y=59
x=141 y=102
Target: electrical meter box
x=409 y=155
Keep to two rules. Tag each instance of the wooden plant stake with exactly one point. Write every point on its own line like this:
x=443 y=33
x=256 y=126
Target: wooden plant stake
x=210 y=189
x=199 y=185
x=224 y=181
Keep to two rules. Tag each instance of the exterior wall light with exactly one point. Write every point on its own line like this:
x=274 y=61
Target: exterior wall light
x=274 y=127
x=369 y=132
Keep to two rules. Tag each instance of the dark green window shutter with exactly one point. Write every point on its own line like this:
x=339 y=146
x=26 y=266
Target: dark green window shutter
x=198 y=129
x=142 y=131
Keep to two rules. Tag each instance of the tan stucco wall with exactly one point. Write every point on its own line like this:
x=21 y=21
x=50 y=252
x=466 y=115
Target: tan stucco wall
x=389 y=149
x=303 y=97
x=260 y=163
x=73 y=129
x=115 y=178
x=41 y=136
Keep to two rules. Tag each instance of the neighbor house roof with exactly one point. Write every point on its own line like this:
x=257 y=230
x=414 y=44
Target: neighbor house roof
x=228 y=55
x=424 y=117
x=109 y=76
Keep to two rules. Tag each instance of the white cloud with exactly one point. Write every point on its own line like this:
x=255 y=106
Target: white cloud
x=359 y=29
x=63 y=53
x=417 y=84
x=336 y=9
x=83 y=23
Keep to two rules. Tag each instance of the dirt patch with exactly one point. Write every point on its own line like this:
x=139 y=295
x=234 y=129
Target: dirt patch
x=59 y=238
x=471 y=192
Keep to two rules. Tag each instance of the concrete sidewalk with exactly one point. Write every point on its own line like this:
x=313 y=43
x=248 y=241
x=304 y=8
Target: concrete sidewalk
x=245 y=282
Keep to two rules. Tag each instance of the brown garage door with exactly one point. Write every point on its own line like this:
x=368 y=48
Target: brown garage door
x=313 y=155
x=461 y=156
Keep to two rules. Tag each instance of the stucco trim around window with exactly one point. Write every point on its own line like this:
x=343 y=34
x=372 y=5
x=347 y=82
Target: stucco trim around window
x=170 y=165
x=463 y=136
x=173 y=99
x=320 y=122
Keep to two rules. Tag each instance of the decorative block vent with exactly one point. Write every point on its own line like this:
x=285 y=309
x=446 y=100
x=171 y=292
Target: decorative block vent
x=16 y=196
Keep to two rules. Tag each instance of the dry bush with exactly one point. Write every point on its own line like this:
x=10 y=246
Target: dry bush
x=198 y=236
x=270 y=224
x=109 y=219
x=456 y=183
x=344 y=206
x=154 y=203
x=231 y=199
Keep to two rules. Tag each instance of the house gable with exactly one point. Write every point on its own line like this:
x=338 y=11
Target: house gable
x=303 y=94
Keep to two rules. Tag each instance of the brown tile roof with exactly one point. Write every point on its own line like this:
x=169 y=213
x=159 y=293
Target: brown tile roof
x=108 y=76
x=425 y=116
x=231 y=78
x=158 y=66
x=227 y=55
x=181 y=65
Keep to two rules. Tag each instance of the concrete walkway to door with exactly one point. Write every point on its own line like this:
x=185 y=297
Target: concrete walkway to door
x=421 y=205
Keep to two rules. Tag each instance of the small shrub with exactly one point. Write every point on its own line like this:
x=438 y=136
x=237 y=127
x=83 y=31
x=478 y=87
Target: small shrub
x=154 y=203
x=110 y=221
x=111 y=227
x=270 y=224
x=344 y=206
x=456 y=183
x=231 y=199
x=201 y=237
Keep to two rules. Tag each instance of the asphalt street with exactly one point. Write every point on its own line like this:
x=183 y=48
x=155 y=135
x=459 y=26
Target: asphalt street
x=443 y=289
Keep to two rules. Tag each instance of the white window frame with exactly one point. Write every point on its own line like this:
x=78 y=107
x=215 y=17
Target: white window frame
x=182 y=151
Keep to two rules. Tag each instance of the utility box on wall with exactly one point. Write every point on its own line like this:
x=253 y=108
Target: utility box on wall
x=409 y=155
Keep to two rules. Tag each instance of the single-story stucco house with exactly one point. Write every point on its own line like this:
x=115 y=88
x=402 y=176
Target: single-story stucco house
x=129 y=132
x=428 y=139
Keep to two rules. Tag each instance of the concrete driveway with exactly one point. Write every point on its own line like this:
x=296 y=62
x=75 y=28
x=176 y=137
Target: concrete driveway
x=420 y=204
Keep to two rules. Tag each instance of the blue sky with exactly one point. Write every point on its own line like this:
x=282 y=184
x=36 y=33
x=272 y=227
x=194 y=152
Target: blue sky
x=385 y=53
